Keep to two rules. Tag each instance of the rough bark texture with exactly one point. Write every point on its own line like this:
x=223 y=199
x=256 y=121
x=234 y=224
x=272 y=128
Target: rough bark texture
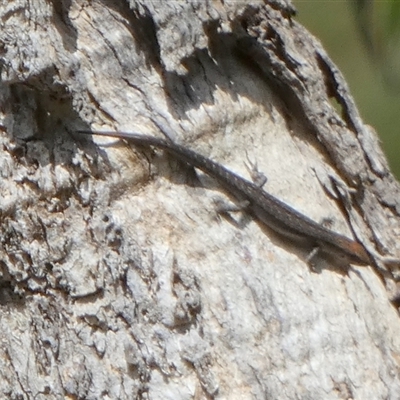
x=118 y=279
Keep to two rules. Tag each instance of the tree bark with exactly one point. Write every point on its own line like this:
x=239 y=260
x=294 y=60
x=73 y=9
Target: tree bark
x=118 y=278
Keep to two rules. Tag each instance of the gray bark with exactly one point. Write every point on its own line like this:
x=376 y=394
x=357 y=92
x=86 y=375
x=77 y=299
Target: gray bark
x=118 y=278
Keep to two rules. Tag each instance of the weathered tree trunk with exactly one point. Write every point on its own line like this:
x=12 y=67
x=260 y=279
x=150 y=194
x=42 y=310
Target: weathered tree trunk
x=118 y=278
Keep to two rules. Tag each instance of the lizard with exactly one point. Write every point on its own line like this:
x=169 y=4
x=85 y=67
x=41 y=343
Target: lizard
x=266 y=208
